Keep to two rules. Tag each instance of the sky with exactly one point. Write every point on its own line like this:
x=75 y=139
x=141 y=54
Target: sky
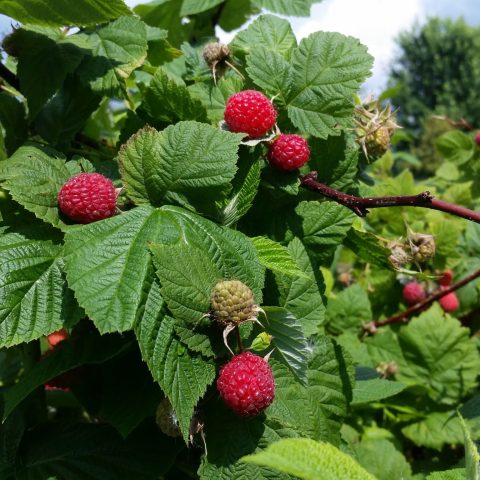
x=376 y=23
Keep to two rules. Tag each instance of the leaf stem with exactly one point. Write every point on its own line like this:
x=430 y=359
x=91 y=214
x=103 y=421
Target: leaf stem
x=360 y=205
x=239 y=339
x=403 y=317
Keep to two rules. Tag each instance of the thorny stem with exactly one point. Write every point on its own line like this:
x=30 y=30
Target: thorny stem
x=360 y=205
x=372 y=326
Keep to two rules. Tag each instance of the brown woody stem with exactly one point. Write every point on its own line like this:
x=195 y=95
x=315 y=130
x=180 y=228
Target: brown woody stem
x=403 y=317
x=360 y=205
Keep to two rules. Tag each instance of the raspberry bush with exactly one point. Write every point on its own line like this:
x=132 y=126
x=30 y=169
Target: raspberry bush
x=205 y=252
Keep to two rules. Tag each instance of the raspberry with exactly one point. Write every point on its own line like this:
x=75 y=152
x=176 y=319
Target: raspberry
x=477 y=138
x=250 y=112
x=446 y=279
x=232 y=302
x=288 y=152
x=413 y=293
x=449 y=302
x=57 y=337
x=88 y=197
x=215 y=52
x=378 y=142
x=246 y=384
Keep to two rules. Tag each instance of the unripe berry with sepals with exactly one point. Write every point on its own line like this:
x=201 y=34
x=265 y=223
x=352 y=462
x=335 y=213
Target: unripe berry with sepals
x=449 y=302
x=215 y=52
x=446 y=279
x=250 y=112
x=246 y=384
x=56 y=337
x=288 y=152
x=88 y=197
x=377 y=143
x=413 y=293
x=232 y=302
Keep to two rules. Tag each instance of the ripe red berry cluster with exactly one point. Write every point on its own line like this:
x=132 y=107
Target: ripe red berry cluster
x=246 y=384
x=288 y=152
x=448 y=302
x=56 y=337
x=250 y=112
x=88 y=197
x=413 y=293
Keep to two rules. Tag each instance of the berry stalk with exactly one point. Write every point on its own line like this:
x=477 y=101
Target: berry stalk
x=371 y=327
x=360 y=205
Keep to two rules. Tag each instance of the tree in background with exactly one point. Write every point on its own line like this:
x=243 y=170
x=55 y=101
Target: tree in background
x=438 y=72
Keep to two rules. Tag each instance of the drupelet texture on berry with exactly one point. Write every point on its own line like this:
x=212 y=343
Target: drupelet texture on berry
x=288 y=152
x=88 y=197
x=56 y=337
x=413 y=293
x=246 y=384
x=449 y=302
x=446 y=279
x=232 y=302
x=250 y=112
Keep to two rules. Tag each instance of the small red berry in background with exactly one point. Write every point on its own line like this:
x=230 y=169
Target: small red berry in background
x=250 y=112
x=88 y=197
x=413 y=293
x=477 y=138
x=56 y=337
x=246 y=384
x=449 y=302
x=446 y=279
x=288 y=152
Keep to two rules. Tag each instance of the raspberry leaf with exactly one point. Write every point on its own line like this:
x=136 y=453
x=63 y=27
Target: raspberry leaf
x=309 y=460
x=12 y=118
x=289 y=340
x=183 y=375
x=167 y=99
x=456 y=147
x=114 y=253
x=191 y=7
x=117 y=50
x=328 y=69
x=298 y=8
x=303 y=296
x=32 y=287
x=276 y=257
x=64 y=12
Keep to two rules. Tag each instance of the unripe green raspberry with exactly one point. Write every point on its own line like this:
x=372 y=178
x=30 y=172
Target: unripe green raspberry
x=232 y=302
x=167 y=419
x=377 y=142
x=215 y=52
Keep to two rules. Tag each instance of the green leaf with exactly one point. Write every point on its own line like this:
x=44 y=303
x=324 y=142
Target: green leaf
x=328 y=69
x=117 y=50
x=366 y=391
x=187 y=275
x=268 y=31
x=167 y=99
x=288 y=339
x=189 y=157
x=34 y=175
x=316 y=411
x=63 y=12
x=88 y=349
x=45 y=58
x=13 y=121
x=303 y=296
x=192 y=7
x=309 y=460
x=276 y=257
x=348 y=310
x=435 y=430
x=94 y=451
x=108 y=264
x=297 y=8
x=439 y=355
x=32 y=289
x=183 y=376
x=66 y=113
x=380 y=457
x=456 y=147
x=321 y=225
x=197 y=341
x=472 y=456
x=453 y=474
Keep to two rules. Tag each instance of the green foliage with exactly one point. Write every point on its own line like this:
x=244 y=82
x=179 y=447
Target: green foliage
x=89 y=87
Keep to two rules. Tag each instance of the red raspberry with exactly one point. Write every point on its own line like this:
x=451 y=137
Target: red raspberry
x=246 y=384
x=57 y=337
x=250 y=112
x=288 y=152
x=449 y=302
x=477 y=138
x=413 y=293
x=446 y=279
x=88 y=197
